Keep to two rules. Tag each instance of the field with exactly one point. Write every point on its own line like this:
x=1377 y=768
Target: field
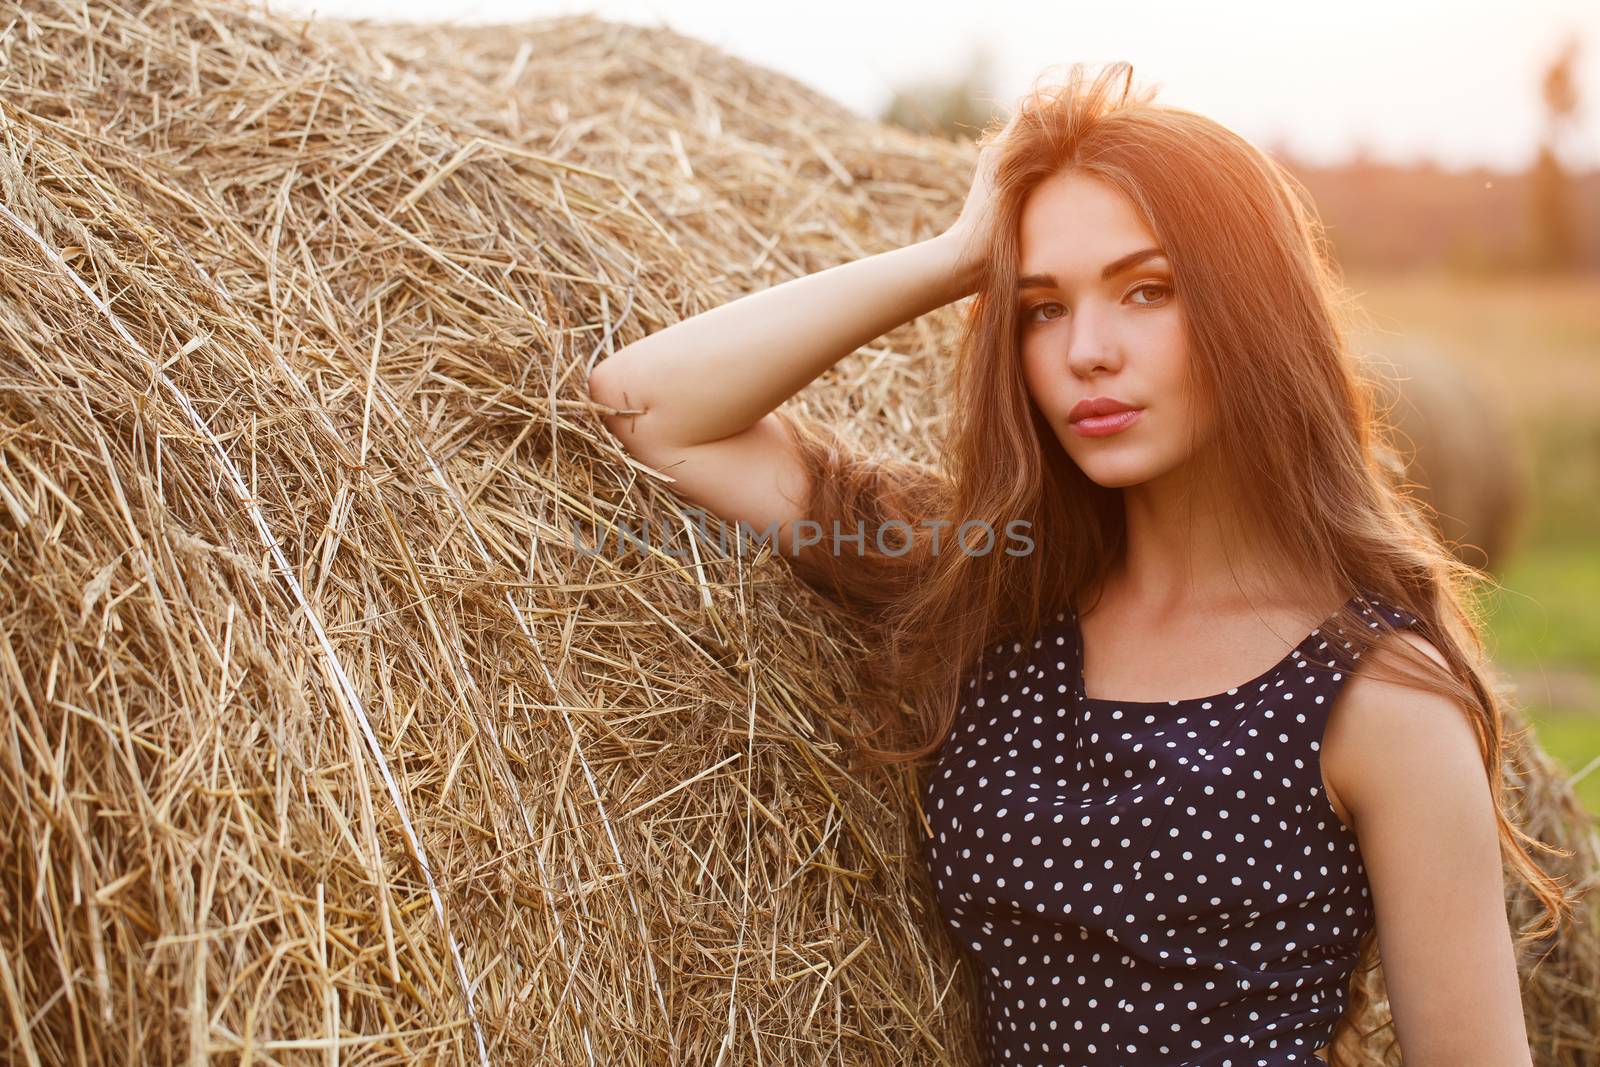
x=1534 y=345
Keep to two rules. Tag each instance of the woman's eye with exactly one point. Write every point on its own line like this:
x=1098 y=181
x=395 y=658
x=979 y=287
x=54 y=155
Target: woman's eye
x=1161 y=290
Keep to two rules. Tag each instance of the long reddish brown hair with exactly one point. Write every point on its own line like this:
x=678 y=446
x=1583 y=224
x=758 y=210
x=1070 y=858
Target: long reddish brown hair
x=1303 y=449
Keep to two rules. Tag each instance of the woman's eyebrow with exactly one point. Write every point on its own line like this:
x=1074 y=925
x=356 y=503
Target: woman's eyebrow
x=1111 y=270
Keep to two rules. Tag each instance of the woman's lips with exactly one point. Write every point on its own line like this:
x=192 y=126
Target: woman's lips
x=1104 y=425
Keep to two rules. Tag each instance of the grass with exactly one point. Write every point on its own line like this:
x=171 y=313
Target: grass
x=1569 y=738
x=1547 y=613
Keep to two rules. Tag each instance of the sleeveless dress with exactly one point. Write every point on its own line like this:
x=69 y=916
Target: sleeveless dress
x=1149 y=882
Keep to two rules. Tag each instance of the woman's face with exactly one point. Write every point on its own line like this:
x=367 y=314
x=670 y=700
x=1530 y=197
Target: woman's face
x=1099 y=319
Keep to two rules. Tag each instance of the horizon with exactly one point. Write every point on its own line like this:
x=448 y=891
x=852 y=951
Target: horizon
x=1472 y=79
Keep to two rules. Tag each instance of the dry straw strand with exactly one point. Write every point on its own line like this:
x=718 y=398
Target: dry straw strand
x=335 y=666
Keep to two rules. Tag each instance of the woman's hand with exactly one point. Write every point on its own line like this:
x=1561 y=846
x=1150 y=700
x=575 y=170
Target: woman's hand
x=970 y=232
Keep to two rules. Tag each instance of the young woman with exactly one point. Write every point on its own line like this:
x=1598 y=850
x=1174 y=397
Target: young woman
x=1153 y=380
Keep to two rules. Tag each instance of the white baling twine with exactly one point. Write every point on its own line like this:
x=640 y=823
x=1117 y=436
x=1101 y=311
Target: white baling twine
x=383 y=393
x=346 y=689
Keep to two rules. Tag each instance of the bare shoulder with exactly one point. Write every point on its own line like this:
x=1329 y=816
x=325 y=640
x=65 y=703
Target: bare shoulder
x=1387 y=742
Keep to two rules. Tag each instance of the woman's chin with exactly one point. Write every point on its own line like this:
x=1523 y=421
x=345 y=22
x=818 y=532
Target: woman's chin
x=1115 y=473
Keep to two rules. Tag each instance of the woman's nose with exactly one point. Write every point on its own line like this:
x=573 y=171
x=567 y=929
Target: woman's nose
x=1091 y=344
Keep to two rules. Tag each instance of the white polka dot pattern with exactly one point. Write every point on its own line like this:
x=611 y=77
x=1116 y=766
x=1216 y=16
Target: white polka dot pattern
x=1149 y=882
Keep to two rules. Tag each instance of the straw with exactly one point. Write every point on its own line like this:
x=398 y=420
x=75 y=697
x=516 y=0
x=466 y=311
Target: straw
x=324 y=741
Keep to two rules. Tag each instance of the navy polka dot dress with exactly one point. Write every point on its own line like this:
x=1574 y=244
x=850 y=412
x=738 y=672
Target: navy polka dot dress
x=1149 y=882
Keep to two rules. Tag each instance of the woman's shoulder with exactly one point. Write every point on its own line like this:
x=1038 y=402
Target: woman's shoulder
x=1388 y=735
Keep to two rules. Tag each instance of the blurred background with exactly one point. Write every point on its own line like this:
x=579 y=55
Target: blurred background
x=1454 y=155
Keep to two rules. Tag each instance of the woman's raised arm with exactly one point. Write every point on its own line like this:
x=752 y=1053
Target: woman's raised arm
x=703 y=392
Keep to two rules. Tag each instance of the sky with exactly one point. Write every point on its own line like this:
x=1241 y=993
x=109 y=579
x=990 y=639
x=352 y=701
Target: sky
x=1401 y=81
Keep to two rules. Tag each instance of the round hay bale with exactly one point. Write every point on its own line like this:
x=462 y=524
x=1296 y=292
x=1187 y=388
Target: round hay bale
x=327 y=737
x=1457 y=447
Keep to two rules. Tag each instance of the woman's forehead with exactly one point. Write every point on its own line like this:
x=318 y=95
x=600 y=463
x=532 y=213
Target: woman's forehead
x=1074 y=225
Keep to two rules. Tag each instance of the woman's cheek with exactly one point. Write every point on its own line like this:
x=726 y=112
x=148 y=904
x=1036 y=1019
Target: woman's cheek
x=1042 y=386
